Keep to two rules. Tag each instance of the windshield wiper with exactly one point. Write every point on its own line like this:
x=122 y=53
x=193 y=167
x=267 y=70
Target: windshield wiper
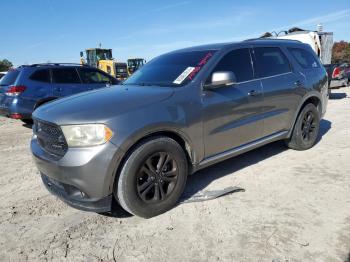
x=158 y=84
x=144 y=84
x=152 y=84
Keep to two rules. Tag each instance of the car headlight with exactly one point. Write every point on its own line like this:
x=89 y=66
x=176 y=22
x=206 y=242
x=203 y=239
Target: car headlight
x=86 y=135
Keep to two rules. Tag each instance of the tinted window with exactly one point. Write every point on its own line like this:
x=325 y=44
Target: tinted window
x=239 y=62
x=42 y=75
x=174 y=69
x=304 y=58
x=65 y=76
x=91 y=76
x=270 y=61
x=9 y=78
x=121 y=69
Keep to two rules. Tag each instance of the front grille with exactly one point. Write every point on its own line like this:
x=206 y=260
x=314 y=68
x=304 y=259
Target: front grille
x=50 y=138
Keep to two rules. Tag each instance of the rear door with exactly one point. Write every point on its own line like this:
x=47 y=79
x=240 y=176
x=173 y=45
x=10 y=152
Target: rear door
x=66 y=81
x=231 y=113
x=93 y=79
x=282 y=87
x=39 y=87
x=309 y=64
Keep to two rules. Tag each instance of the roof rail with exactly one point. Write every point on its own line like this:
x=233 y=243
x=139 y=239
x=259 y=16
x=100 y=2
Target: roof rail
x=271 y=38
x=57 y=64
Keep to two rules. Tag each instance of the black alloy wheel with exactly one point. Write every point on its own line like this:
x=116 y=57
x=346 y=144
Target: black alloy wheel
x=152 y=178
x=308 y=126
x=305 y=131
x=157 y=177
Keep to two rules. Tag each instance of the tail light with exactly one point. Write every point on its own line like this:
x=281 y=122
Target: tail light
x=15 y=90
x=336 y=72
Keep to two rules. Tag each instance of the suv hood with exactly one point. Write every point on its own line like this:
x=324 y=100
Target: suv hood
x=101 y=105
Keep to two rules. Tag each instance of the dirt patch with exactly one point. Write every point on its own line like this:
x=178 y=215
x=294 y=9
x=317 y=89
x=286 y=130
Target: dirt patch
x=296 y=207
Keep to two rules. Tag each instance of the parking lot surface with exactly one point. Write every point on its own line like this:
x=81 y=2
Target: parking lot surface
x=296 y=207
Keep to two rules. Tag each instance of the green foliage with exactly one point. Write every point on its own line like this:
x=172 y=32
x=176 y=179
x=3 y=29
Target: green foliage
x=341 y=52
x=5 y=65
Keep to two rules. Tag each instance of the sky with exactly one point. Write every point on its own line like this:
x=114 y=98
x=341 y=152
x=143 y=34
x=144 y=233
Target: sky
x=35 y=31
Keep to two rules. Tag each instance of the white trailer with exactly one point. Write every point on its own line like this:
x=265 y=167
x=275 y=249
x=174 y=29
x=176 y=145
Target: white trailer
x=321 y=42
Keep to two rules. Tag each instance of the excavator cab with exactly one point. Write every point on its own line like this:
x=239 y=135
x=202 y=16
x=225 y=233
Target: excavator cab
x=94 y=55
x=134 y=64
x=102 y=58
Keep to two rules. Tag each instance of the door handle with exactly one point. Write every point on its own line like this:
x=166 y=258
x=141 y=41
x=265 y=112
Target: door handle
x=298 y=83
x=253 y=93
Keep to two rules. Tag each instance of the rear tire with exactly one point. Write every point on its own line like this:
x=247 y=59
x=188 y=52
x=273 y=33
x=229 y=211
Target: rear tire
x=153 y=178
x=306 y=129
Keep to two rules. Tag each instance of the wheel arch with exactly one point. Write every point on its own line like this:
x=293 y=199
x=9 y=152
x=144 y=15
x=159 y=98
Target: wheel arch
x=180 y=138
x=171 y=133
x=43 y=101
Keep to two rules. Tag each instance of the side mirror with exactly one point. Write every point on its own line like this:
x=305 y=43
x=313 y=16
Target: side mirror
x=222 y=78
x=81 y=54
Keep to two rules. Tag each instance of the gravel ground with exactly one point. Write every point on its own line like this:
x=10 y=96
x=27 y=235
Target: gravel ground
x=296 y=207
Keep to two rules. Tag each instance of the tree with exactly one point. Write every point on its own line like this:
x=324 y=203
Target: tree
x=5 y=65
x=341 y=52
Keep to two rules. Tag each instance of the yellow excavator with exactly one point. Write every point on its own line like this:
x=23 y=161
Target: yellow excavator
x=102 y=58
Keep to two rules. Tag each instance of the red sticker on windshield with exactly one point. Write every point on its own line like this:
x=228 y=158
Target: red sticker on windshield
x=200 y=65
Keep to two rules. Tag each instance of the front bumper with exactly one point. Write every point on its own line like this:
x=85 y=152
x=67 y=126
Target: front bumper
x=337 y=83
x=74 y=198
x=83 y=177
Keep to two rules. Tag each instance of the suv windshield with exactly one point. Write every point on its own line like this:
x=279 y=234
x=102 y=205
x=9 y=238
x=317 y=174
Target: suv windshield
x=175 y=69
x=9 y=78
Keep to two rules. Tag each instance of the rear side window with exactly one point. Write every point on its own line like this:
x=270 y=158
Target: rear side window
x=42 y=75
x=65 y=76
x=91 y=76
x=9 y=78
x=239 y=62
x=304 y=58
x=270 y=61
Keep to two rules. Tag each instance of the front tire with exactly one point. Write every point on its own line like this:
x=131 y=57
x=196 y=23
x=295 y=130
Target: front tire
x=306 y=129
x=153 y=178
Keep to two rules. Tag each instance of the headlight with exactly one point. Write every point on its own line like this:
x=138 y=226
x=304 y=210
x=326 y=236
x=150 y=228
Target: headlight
x=86 y=135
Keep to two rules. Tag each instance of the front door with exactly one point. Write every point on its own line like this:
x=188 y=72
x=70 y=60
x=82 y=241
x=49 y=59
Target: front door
x=231 y=113
x=66 y=81
x=93 y=78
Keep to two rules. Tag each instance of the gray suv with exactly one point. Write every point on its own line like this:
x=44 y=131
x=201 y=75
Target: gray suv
x=183 y=111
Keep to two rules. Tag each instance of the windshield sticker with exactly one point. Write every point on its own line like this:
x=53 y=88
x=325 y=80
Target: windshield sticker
x=183 y=75
x=200 y=65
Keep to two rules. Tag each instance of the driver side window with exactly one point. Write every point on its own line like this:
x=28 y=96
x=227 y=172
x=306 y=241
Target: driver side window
x=237 y=61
